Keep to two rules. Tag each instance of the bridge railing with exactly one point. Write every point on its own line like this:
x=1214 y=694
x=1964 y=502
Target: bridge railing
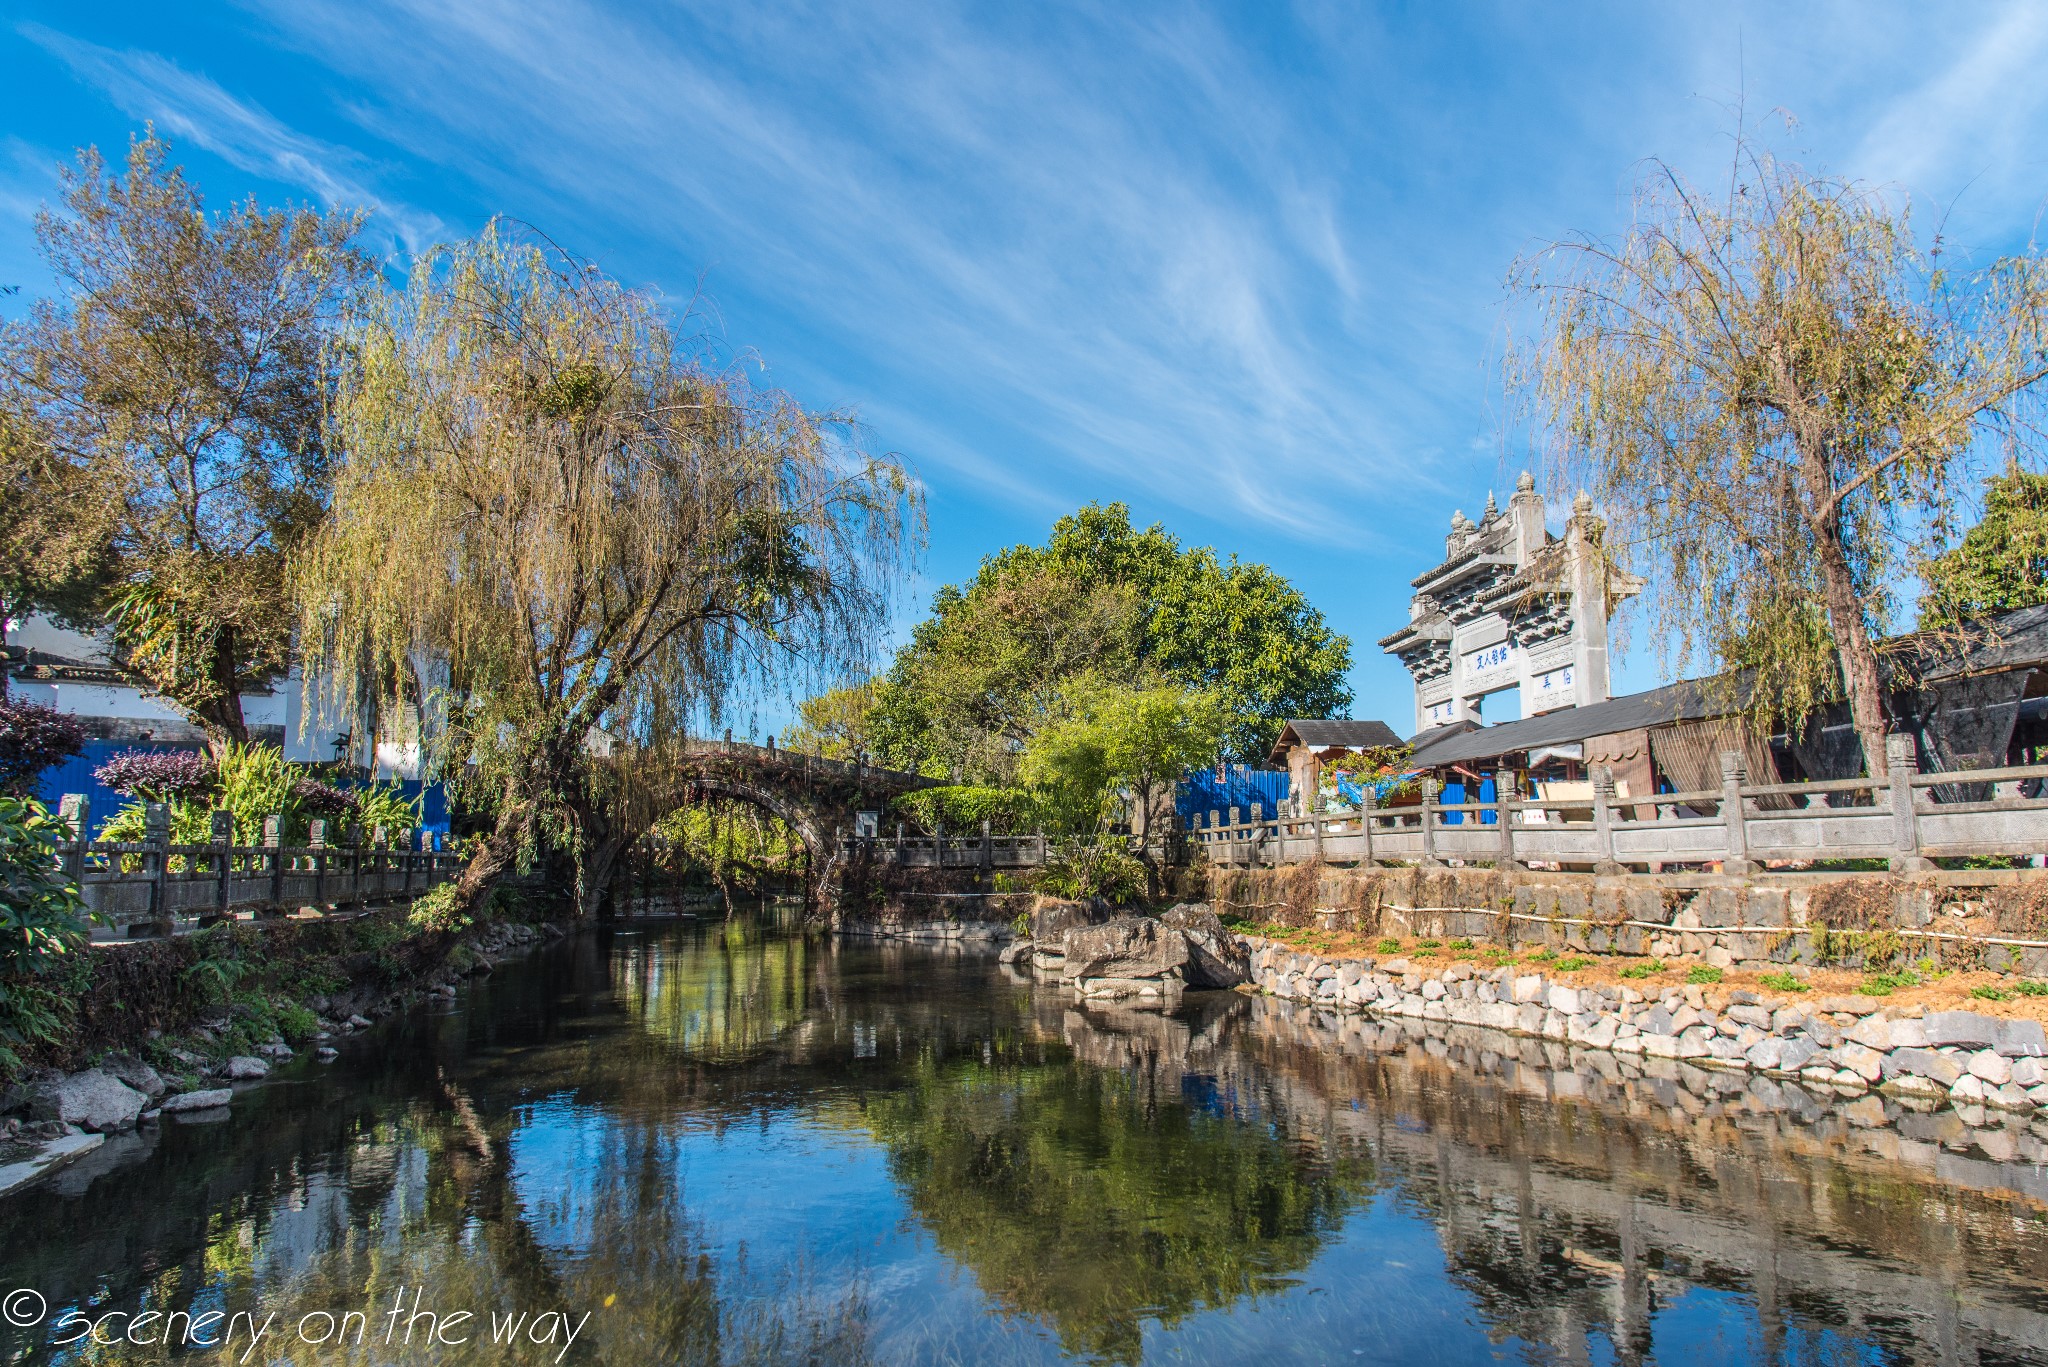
x=858 y=770
x=154 y=887
x=1905 y=820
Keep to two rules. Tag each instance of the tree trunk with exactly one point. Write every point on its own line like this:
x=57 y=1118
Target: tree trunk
x=221 y=715
x=495 y=854
x=1852 y=641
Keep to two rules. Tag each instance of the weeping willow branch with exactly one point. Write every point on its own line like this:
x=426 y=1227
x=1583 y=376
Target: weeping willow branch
x=592 y=533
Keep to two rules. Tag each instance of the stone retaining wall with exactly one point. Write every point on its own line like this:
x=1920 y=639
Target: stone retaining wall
x=1847 y=922
x=1851 y=1044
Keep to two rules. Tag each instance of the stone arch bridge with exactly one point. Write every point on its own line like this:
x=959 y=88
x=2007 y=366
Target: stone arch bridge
x=819 y=799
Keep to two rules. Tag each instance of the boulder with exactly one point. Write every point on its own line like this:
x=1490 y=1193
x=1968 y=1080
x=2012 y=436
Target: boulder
x=1124 y=947
x=1216 y=958
x=199 y=1101
x=92 y=1100
x=245 y=1068
x=1015 y=952
x=1927 y=1063
x=1962 y=1027
x=1051 y=920
x=135 y=1073
x=1992 y=1066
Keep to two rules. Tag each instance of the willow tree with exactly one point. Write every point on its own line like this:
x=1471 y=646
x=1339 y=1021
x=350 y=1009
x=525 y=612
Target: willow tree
x=1780 y=392
x=575 y=532
x=166 y=411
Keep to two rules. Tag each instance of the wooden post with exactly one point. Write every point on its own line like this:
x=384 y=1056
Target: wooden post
x=156 y=834
x=1737 y=864
x=1429 y=792
x=1504 y=807
x=1902 y=760
x=1603 y=820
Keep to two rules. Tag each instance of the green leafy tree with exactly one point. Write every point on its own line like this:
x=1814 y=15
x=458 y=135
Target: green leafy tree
x=836 y=723
x=593 y=533
x=164 y=414
x=1778 y=390
x=1102 y=598
x=42 y=924
x=2001 y=563
x=1107 y=741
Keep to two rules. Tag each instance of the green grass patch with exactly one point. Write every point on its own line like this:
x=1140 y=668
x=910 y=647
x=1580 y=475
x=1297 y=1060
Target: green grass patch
x=1389 y=945
x=1703 y=973
x=1884 y=984
x=2031 y=987
x=1642 y=970
x=1429 y=944
x=1573 y=964
x=1461 y=944
x=1991 y=994
x=1780 y=982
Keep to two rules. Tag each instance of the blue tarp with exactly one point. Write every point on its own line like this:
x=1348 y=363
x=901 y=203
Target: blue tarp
x=1202 y=793
x=1454 y=793
x=75 y=775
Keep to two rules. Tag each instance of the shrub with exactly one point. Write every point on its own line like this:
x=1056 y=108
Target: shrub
x=1105 y=869
x=2031 y=987
x=1642 y=970
x=1573 y=964
x=386 y=805
x=1991 y=994
x=32 y=738
x=963 y=807
x=1703 y=973
x=42 y=921
x=1429 y=944
x=1388 y=945
x=1461 y=944
x=158 y=775
x=1884 y=984
x=319 y=799
x=1780 y=982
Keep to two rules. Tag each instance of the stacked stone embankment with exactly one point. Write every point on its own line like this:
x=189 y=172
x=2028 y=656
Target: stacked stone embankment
x=1851 y=1043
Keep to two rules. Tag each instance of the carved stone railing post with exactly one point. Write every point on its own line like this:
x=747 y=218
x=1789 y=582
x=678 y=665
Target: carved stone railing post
x=156 y=862
x=1258 y=835
x=1902 y=762
x=1504 y=815
x=1366 y=802
x=988 y=849
x=316 y=840
x=75 y=811
x=273 y=845
x=1737 y=864
x=221 y=830
x=1603 y=821
x=1429 y=815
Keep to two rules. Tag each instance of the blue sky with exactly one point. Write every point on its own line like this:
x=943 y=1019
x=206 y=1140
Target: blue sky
x=1238 y=266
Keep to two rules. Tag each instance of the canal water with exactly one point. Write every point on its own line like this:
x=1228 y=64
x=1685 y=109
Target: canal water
x=728 y=1144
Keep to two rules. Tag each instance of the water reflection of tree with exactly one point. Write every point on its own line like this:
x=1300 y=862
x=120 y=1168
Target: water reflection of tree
x=741 y=990
x=1092 y=1202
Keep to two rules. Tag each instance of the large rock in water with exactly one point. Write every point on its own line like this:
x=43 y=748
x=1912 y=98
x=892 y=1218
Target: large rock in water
x=1125 y=947
x=1216 y=958
x=1051 y=920
x=91 y=1100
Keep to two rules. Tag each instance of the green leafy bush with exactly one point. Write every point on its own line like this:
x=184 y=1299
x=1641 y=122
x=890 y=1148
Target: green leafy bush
x=2031 y=987
x=1388 y=945
x=42 y=923
x=1642 y=970
x=1703 y=973
x=1573 y=964
x=1991 y=994
x=1780 y=982
x=1884 y=984
x=961 y=808
x=1105 y=869
x=386 y=805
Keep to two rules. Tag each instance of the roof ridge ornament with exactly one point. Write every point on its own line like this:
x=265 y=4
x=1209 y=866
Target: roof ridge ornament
x=1525 y=483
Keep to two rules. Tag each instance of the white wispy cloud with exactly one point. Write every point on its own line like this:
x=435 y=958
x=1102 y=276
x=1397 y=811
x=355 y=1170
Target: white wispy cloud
x=1125 y=262
x=193 y=108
